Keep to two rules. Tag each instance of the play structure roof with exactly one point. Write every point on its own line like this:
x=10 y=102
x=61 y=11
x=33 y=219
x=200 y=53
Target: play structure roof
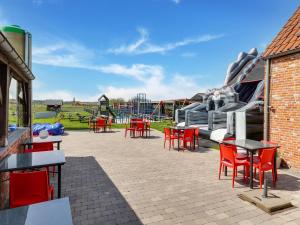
x=288 y=39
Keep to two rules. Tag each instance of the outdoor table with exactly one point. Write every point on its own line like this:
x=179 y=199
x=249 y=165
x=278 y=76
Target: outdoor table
x=134 y=123
x=34 y=160
x=94 y=122
x=182 y=128
x=252 y=147
x=54 y=139
x=54 y=212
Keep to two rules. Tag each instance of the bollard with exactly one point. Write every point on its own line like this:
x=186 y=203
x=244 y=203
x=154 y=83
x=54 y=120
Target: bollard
x=265 y=191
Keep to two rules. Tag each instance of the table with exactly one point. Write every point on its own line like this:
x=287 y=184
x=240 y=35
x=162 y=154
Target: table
x=54 y=212
x=134 y=123
x=54 y=139
x=182 y=129
x=252 y=147
x=34 y=160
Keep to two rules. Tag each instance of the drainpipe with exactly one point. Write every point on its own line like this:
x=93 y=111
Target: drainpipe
x=267 y=101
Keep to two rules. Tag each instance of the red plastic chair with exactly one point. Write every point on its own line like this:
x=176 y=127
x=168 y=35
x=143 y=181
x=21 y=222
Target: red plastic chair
x=188 y=137
x=109 y=124
x=148 y=127
x=240 y=156
x=131 y=129
x=169 y=137
x=228 y=159
x=101 y=124
x=140 y=128
x=197 y=133
x=265 y=162
x=29 y=188
x=41 y=147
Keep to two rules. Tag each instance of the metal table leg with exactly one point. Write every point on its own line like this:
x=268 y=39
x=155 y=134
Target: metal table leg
x=251 y=169
x=178 y=142
x=194 y=139
x=59 y=182
x=58 y=145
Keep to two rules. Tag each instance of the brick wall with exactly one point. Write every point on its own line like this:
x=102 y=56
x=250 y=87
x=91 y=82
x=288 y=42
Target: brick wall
x=15 y=147
x=285 y=103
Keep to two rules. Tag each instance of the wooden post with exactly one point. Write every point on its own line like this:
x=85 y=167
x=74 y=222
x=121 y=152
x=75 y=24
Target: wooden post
x=4 y=85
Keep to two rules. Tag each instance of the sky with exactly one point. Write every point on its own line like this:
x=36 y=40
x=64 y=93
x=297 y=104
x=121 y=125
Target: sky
x=165 y=48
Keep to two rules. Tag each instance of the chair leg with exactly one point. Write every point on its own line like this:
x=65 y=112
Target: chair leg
x=273 y=177
x=233 y=177
x=260 y=178
x=220 y=168
x=165 y=143
x=169 y=144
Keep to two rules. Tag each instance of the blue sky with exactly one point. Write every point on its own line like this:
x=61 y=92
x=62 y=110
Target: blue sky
x=166 y=48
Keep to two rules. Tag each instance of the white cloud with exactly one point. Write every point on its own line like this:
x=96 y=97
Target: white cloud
x=152 y=79
x=63 y=54
x=144 y=46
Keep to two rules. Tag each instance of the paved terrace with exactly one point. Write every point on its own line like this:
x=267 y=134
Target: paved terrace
x=113 y=180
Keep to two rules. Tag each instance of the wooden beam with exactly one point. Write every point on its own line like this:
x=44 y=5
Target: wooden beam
x=4 y=83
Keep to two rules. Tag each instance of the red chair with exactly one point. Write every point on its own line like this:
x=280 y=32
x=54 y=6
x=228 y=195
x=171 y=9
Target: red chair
x=109 y=124
x=188 y=137
x=140 y=128
x=169 y=137
x=101 y=124
x=197 y=132
x=240 y=156
x=41 y=147
x=265 y=162
x=228 y=159
x=131 y=129
x=29 y=188
x=148 y=127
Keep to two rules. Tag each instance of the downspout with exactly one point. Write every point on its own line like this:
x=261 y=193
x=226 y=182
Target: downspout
x=267 y=101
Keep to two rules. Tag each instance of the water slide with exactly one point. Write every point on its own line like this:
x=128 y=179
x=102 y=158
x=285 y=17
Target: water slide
x=242 y=91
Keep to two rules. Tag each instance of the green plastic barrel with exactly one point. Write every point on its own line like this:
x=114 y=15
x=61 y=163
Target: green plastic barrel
x=16 y=36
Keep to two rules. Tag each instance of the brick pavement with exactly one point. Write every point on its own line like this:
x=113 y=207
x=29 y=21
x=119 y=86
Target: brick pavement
x=113 y=180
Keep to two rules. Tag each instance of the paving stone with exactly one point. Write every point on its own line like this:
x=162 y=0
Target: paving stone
x=113 y=180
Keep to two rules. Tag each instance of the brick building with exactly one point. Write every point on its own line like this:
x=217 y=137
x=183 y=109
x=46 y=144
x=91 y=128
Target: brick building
x=282 y=91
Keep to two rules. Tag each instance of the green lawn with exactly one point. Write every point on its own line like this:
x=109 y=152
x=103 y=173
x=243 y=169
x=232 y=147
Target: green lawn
x=69 y=109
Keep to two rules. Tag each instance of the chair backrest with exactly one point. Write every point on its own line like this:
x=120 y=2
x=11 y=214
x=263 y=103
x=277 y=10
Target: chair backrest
x=197 y=132
x=167 y=132
x=227 y=153
x=40 y=147
x=188 y=133
x=230 y=139
x=28 y=188
x=140 y=125
x=100 y=122
x=267 y=155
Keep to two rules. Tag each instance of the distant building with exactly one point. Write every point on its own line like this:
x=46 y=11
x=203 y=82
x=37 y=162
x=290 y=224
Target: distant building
x=282 y=95
x=53 y=104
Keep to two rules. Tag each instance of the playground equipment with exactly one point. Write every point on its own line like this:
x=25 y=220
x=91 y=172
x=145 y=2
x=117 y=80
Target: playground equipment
x=103 y=108
x=235 y=108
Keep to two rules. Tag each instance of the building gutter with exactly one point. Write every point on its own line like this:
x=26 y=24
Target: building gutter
x=13 y=57
x=267 y=101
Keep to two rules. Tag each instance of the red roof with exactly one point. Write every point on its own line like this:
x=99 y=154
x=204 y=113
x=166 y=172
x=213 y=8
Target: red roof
x=287 y=39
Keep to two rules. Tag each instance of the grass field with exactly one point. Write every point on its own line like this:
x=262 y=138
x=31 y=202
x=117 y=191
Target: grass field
x=69 y=109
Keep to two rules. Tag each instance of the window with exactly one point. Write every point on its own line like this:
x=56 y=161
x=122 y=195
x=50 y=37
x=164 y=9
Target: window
x=16 y=103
